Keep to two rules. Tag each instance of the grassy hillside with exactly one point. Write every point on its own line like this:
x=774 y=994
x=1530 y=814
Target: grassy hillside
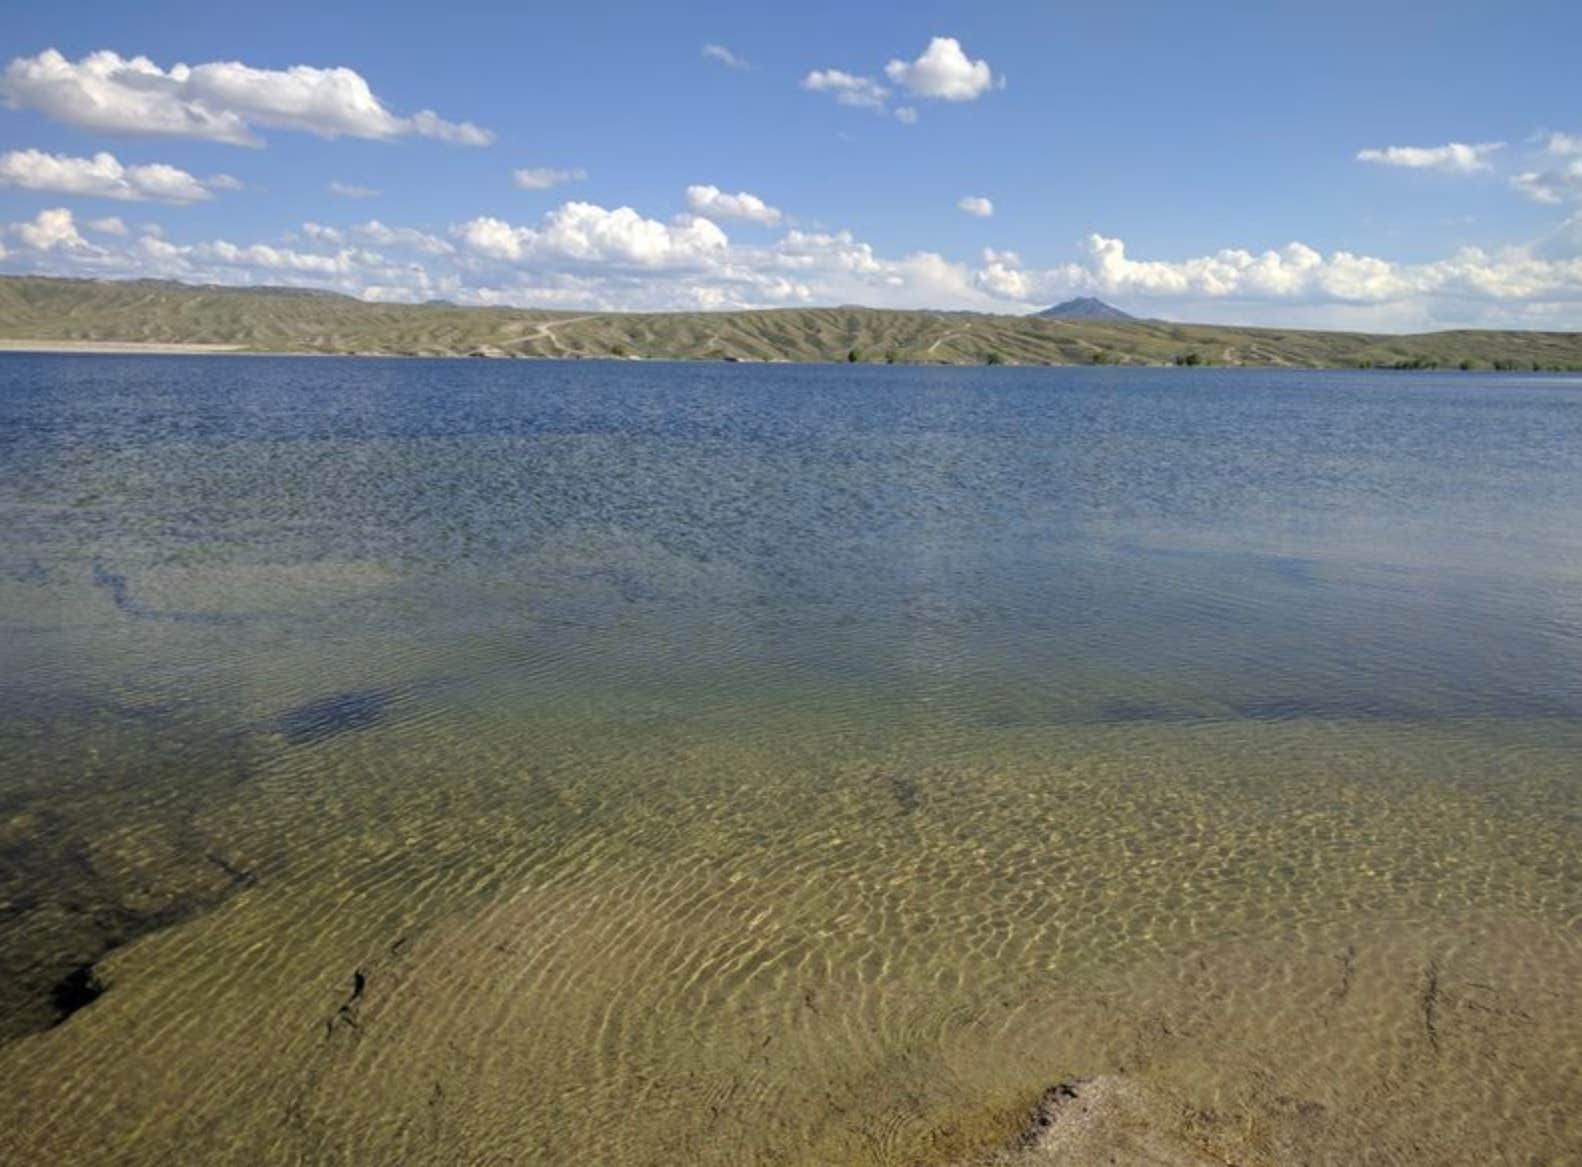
x=286 y=320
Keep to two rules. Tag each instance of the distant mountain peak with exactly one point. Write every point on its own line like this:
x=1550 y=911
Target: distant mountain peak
x=1084 y=308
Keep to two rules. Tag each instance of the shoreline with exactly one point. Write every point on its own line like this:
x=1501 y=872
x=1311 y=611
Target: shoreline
x=25 y=347
x=117 y=347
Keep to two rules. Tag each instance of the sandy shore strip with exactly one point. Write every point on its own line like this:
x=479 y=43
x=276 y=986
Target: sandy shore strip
x=114 y=347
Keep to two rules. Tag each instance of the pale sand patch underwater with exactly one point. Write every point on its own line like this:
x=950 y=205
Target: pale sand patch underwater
x=489 y=939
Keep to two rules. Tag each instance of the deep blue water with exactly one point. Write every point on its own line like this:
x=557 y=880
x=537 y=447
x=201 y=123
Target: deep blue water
x=1254 y=543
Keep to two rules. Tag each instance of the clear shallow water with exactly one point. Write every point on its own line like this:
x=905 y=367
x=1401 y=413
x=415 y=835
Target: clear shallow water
x=784 y=764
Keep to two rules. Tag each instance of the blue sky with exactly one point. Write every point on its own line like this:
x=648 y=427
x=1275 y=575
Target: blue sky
x=1389 y=166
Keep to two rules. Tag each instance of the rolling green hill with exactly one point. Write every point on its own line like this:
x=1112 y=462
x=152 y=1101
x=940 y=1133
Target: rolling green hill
x=34 y=308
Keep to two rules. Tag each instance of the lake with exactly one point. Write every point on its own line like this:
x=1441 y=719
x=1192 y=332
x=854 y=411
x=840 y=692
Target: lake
x=629 y=763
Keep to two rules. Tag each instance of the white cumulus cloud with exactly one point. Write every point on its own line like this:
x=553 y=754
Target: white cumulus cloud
x=376 y=232
x=1298 y=283
x=847 y=88
x=1451 y=158
x=943 y=71
x=262 y=255
x=1563 y=145
x=373 y=231
x=220 y=101
x=350 y=190
x=1001 y=276
x=109 y=225
x=1551 y=186
x=546 y=177
x=352 y=270
x=425 y=123
x=976 y=205
x=725 y=57
x=53 y=229
x=602 y=259
x=716 y=204
x=102 y=176
x=585 y=233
